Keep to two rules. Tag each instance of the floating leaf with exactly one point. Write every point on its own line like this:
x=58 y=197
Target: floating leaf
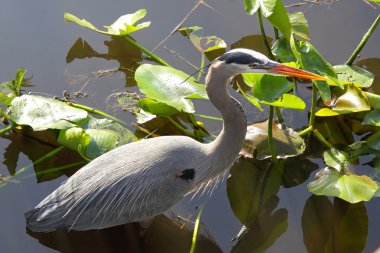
x=352 y=100
x=156 y=108
x=170 y=86
x=43 y=113
x=349 y=187
x=203 y=44
x=299 y=24
x=121 y=27
x=286 y=142
x=74 y=138
x=95 y=137
x=353 y=74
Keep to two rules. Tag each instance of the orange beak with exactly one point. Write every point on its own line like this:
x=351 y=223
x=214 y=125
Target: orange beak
x=289 y=71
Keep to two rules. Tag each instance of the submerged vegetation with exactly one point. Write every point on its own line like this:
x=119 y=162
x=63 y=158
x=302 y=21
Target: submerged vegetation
x=343 y=123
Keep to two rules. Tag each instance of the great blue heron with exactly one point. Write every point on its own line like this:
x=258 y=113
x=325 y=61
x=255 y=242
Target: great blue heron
x=140 y=180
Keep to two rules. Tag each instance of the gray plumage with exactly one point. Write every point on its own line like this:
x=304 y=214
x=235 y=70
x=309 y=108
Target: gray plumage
x=140 y=180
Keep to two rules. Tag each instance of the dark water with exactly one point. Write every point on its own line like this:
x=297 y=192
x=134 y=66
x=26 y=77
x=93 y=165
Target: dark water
x=34 y=36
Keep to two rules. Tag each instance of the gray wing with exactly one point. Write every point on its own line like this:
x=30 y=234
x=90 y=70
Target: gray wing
x=131 y=183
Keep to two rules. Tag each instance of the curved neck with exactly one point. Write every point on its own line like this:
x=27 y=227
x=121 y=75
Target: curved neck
x=226 y=147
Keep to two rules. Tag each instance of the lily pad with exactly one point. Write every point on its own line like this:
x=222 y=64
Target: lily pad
x=95 y=137
x=352 y=100
x=281 y=49
x=169 y=86
x=349 y=187
x=353 y=74
x=287 y=143
x=124 y=25
x=156 y=108
x=43 y=113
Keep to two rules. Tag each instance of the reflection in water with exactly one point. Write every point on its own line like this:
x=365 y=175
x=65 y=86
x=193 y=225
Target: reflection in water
x=127 y=55
x=163 y=235
x=338 y=227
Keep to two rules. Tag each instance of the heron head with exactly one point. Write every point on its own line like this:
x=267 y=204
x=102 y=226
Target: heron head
x=241 y=60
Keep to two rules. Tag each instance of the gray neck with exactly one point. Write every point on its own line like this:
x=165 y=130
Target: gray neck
x=226 y=147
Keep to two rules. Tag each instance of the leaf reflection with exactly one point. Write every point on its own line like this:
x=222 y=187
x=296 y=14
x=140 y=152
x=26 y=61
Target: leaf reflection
x=334 y=227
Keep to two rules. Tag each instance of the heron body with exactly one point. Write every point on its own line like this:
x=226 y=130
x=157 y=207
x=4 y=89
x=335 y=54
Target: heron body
x=140 y=180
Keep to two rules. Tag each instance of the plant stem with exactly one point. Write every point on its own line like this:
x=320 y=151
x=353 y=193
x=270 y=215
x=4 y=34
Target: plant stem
x=313 y=108
x=6 y=129
x=208 y=117
x=322 y=139
x=146 y=51
x=184 y=130
x=67 y=166
x=276 y=35
x=270 y=135
x=266 y=43
x=279 y=116
x=364 y=40
x=305 y=131
x=201 y=67
x=196 y=229
x=98 y=112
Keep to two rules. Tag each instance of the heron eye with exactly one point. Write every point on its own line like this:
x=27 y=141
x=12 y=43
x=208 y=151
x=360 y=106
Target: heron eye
x=252 y=65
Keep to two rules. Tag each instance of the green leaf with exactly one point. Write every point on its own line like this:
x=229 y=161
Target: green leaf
x=124 y=25
x=266 y=6
x=372 y=118
x=374 y=141
x=311 y=60
x=203 y=44
x=350 y=100
x=43 y=113
x=373 y=99
x=19 y=80
x=353 y=74
x=156 y=108
x=281 y=49
x=170 y=86
x=73 y=138
x=299 y=24
x=286 y=141
x=5 y=100
x=336 y=159
x=349 y=187
x=279 y=18
x=95 y=137
x=267 y=87
x=288 y=101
